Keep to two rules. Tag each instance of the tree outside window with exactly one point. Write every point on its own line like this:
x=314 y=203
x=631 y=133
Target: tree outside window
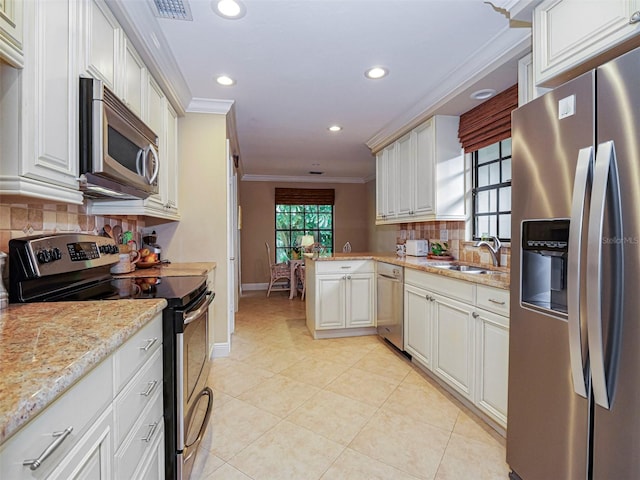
x=294 y=221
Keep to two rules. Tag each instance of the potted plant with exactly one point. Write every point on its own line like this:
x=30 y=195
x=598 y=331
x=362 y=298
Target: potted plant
x=440 y=251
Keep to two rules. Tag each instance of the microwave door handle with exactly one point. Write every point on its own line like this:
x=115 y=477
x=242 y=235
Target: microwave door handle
x=140 y=161
x=156 y=164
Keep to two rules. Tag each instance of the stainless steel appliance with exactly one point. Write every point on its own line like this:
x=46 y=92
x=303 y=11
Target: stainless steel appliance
x=390 y=304
x=118 y=152
x=574 y=344
x=149 y=242
x=75 y=267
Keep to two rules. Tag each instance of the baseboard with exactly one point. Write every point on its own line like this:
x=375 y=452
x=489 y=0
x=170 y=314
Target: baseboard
x=221 y=350
x=254 y=286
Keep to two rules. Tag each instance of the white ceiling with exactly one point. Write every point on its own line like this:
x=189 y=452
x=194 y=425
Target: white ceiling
x=299 y=67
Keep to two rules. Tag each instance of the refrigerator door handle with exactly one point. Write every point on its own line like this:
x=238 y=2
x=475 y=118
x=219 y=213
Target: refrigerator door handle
x=605 y=177
x=582 y=182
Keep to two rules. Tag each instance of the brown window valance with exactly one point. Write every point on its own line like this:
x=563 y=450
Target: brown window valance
x=305 y=196
x=489 y=122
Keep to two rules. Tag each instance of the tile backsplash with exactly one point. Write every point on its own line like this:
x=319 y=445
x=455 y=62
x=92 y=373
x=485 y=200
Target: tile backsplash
x=21 y=220
x=455 y=236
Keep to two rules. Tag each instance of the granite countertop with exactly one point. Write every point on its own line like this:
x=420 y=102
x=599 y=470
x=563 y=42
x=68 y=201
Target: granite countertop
x=498 y=280
x=172 y=270
x=46 y=348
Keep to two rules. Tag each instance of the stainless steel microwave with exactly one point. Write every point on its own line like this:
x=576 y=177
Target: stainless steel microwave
x=119 y=155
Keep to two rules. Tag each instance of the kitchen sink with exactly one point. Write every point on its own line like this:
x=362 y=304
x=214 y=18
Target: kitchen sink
x=468 y=269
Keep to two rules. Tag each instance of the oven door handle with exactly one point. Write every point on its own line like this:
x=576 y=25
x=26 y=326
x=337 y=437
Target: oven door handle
x=203 y=308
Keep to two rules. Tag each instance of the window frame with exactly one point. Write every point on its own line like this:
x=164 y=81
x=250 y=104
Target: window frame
x=301 y=231
x=475 y=190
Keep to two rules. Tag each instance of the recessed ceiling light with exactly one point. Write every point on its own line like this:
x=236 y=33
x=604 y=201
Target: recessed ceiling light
x=334 y=128
x=225 y=80
x=231 y=9
x=483 y=94
x=375 y=73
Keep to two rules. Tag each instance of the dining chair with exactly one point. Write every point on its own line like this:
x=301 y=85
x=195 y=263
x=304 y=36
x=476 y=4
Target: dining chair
x=301 y=276
x=279 y=272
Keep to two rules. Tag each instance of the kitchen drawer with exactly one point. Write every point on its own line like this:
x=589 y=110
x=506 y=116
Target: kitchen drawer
x=129 y=358
x=79 y=408
x=493 y=299
x=345 y=266
x=136 y=396
x=141 y=438
x=449 y=287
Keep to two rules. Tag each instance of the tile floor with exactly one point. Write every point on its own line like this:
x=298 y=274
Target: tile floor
x=290 y=407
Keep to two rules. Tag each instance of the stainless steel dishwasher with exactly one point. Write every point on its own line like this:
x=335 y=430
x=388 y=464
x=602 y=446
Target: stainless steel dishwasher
x=390 y=281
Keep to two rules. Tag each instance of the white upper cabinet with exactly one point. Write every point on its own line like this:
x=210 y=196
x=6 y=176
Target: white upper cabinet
x=135 y=79
x=386 y=187
x=572 y=36
x=102 y=39
x=527 y=89
x=405 y=165
x=11 y=32
x=40 y=115
x=420 y=177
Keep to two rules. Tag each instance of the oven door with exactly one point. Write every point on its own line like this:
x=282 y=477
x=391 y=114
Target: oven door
x=195 y=398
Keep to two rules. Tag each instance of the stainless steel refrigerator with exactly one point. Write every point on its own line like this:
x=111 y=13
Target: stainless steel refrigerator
x=574 y=351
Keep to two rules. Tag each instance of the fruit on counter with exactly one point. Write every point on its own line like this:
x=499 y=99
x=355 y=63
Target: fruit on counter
x=144 y=252
x=150 y=258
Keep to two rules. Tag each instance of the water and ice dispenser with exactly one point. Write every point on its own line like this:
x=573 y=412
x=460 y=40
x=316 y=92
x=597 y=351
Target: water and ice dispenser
x=545 y=247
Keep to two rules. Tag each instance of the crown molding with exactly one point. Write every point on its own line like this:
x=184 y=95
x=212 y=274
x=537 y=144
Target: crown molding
x=509 y=44
x=300 y=179
x=209 y=105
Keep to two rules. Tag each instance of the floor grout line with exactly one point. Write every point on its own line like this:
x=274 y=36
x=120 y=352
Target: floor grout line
x=274 y=328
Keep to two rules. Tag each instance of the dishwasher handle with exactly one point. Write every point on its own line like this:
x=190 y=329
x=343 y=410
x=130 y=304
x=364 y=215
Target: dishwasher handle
x=390 y=277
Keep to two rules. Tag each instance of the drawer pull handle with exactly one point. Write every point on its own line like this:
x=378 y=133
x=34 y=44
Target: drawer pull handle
x=152 y=430
x=61 y=436
x=152 y=387
x=346 y=267
x=150 y=343
x=497 y=302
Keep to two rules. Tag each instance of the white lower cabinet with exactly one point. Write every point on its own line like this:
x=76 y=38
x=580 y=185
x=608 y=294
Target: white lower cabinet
x=418 y=320
x=451 y=332
x=453 y=346
x=104 y=428
x=492 y=351
x=90 y=459
x=340 y=297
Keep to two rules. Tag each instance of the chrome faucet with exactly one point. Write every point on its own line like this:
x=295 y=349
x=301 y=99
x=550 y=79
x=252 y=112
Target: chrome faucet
x=493 y=249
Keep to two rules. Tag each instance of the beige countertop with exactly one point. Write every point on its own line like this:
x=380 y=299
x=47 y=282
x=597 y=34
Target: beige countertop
x=498 y=280
x=46 y=347
x=172 y=270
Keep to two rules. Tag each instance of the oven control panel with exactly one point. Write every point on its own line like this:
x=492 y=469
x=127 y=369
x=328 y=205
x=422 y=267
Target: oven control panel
x=44 y=255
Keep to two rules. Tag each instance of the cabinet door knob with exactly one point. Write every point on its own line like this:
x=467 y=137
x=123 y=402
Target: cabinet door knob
x=475 y=314
x=635 y=18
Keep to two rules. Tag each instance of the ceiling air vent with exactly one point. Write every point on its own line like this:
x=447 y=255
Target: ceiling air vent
x=174 y=9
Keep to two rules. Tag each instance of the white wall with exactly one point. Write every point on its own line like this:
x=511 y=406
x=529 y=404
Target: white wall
x=201 y=234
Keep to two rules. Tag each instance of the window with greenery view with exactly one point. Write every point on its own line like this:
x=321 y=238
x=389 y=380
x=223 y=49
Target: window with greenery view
x=293 y=221
x=492 y=191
